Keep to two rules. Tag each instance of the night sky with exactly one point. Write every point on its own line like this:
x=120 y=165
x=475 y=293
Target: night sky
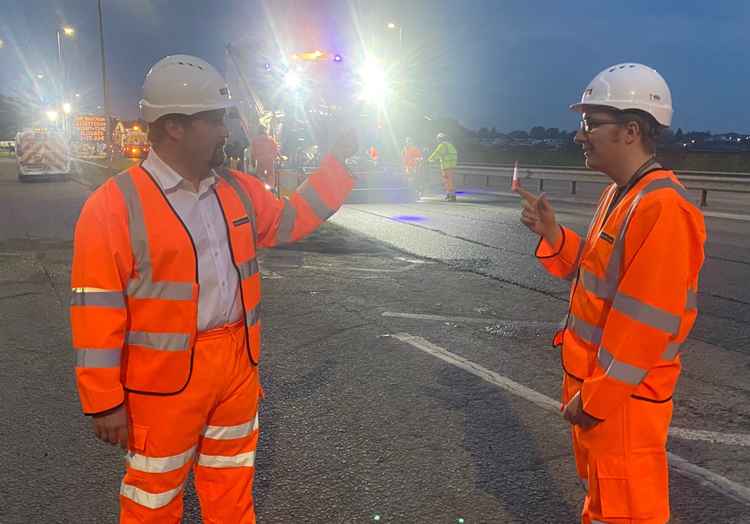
x=508 y=64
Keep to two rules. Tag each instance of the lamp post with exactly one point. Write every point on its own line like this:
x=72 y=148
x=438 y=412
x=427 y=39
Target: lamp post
x=70 y=33
x=105 y=90
x=392 y=26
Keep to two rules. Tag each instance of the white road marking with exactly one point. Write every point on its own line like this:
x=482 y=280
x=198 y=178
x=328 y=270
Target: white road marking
x=471 y=320
x=413 y=260
x=704 y=476
x=729 y=439
x=344 y=268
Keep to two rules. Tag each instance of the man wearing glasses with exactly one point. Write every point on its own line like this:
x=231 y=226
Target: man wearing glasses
x=634 y=282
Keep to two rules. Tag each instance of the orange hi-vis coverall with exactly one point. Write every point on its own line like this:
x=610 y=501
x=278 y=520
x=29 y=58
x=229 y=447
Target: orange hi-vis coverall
x=192 y=397
x=632 y=303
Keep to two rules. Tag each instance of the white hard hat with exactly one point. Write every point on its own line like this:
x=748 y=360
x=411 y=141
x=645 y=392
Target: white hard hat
x=441 y=136
x=629 y=86
x=185 y=85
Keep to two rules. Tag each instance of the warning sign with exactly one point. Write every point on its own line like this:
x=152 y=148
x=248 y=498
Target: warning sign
x=91 y=128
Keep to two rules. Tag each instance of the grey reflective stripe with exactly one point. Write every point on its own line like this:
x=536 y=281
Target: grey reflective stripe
x=601 y=288
x=311 y=196
x=252 y=316
x=87 y=297
x=242 y=195
x=159 y=464
x=621 y=371
x=584 y=330
x=248 y=269
x=231 y=432
x=145 y=288
x=160 y=341
x=646 y=313
x=671 y=352
x=692 y=300
x=147 y=499
x=288 y=216
x=98 y=358
x=243 y=460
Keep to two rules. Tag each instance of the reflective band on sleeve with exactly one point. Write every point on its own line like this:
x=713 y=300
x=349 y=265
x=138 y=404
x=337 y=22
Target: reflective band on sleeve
x=145 y=288
x=243 y=460
x=252 y=316
x=149 y=500
x=98 y=358
x=647 y=314
x=289 y=214
x=159 y=464
x=248 y=269
x=692 y=300
x=160 y=341
x=91 y=296
x=231 y=432
x=584 y=330
x=620 y=370
x=671 y=352
x=311 y=196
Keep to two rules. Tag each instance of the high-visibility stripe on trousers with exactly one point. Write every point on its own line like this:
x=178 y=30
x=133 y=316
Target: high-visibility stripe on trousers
x=623 y=462
x=211 y=426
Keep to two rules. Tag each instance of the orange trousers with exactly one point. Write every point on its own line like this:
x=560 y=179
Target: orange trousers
x=448 y=181
x=211 y=426
x=622 y=462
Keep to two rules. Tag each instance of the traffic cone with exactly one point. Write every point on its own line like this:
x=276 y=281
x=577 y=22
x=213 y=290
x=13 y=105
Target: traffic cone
x=516 y=183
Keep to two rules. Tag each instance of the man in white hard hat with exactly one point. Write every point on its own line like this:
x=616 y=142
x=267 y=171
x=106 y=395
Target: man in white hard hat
x=446 y=154
x=165 y=307
x=633 y=298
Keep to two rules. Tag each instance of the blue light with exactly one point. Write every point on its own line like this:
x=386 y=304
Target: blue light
x=409 y=218
x=337 y=58
x=267 y=66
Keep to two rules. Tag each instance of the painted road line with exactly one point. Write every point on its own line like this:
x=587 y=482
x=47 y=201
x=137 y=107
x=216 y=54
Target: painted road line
x=729 y=439
x=344 y=268
x=471 y=320
x=705 y=477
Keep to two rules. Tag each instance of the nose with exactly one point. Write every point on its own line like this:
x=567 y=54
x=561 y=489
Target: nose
x=580 y=137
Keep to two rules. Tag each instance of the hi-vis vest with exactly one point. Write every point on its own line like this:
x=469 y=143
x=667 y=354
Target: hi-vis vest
x=633 y=295
x=134 y=303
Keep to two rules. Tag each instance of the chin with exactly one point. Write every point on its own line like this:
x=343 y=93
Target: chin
x=218 y=160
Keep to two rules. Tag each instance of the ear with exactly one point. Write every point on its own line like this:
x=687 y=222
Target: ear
x=632 y=132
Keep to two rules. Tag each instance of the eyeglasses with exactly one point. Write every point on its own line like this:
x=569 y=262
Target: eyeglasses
x=587 y=126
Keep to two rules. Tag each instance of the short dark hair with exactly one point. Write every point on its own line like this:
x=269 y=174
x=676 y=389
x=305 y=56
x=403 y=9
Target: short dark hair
x=650 y=128
x=156 y=130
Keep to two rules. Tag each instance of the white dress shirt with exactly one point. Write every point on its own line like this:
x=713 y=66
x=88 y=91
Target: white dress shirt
x=219 y=300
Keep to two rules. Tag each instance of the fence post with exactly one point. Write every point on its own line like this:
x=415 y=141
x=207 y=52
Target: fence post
x=572 y=187
x=704 y=197
x=541 y=185
x=488 y=180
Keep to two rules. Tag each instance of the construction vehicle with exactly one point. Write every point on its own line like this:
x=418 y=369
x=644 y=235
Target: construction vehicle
x=42 y=153
x=134 y=143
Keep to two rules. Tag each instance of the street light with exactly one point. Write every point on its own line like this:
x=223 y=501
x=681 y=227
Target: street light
x=392 y=26
x=52 y=115
x=70 y=33
x=67 y=108
x=292 y=80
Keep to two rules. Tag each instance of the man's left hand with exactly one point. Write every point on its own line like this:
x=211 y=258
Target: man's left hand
x=574 y=414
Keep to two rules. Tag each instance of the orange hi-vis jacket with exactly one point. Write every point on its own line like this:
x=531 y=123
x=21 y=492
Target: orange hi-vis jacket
x=633 y=296
x=134 y=304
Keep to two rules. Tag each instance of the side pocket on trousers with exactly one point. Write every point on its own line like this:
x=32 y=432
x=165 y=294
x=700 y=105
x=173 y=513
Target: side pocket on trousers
x=649 y=485
x=609 y=490
x=138 y=438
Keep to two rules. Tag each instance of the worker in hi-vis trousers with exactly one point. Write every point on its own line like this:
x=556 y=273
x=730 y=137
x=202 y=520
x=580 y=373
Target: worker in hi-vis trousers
x=634 y=283
x=446 y=154
x=166 y=301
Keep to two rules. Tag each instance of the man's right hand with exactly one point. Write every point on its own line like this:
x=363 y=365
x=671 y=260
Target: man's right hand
x=112 y=426
x=539 y=216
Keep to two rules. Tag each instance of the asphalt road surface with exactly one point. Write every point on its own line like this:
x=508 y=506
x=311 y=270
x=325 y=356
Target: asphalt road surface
x=407 y=370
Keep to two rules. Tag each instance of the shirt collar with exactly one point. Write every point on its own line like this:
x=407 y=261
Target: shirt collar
x=169 y=180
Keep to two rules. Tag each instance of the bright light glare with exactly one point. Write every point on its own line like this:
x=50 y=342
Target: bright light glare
x=292 y=80
x=69 y=31
x=2 y=43
x=391 y=25
x=52 y=115
x=374 y=84
x=67 y=108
